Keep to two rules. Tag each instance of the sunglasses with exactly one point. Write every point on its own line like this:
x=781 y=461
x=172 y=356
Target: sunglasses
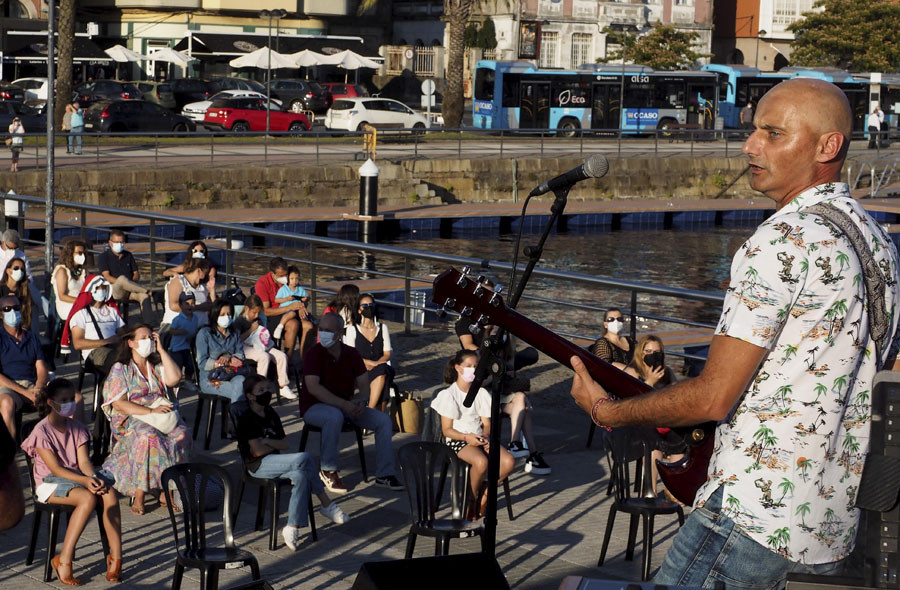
x=8 y=308
x=367 y=305
x=616 y=320
x=199 y=250
x=17 y=268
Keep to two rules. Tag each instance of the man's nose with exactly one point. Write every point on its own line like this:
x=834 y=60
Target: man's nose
x=750 y=144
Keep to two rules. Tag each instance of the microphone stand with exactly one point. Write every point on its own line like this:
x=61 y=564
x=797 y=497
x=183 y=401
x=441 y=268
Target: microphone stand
x=491 y=361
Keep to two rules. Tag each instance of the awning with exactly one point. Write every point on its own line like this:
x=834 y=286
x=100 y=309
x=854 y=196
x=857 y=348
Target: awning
x=34 y=48
x=228 y=45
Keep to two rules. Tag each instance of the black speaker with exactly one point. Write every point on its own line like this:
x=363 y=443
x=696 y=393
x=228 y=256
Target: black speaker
x=435 y=573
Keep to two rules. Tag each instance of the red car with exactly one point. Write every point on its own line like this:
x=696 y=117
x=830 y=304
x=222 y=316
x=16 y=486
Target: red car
x=341 y=90
x=249 y=114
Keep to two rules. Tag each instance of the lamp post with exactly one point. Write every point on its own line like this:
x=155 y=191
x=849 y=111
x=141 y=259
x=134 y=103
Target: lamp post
x=277 y=13
x=758 y=35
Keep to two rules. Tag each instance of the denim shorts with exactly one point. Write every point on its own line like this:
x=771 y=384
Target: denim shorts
x=64 y=486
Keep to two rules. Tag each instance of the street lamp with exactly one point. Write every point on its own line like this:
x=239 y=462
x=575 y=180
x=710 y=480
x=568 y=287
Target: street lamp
x=759 y=34
x=276 y=14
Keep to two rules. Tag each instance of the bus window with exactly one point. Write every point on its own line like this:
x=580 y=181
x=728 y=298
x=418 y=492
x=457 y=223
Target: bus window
x=724 y=86
x=670 y=95
x=484 y=84
x=638 y=95
x=571 y=94
x=510 y=90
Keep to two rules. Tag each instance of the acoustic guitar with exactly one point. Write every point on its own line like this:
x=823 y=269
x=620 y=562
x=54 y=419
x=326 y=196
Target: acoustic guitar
x=474 y=301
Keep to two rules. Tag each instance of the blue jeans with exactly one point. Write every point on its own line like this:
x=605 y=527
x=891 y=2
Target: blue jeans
x=73 y=138
x=710 y=548
x=233 y=390
x=330 y=419
x=300 y=468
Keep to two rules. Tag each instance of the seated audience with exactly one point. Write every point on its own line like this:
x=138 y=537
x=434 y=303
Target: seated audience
x=261 y=439
x=372 y=340
x=258 y=345
x=467 y=430
x=613 y=346
x=220 y=354
x=196 y=249
x=192 y=281
x=183 y=331
x=150 y=435
x=331 y=372
x=63 y=474
x=17 y=283
x=11 y=247
x=68 y=277
x=345 y=303
x=23 y=372
x=292 y=292
x=118 y=266
x=289 y=318
x=93 y=324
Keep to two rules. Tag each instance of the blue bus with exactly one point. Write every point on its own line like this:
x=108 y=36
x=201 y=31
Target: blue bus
x=518 y=95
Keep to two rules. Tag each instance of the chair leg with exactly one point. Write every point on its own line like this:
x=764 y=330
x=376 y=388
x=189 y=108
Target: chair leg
x=52 y=532
x=648 y=546
x=176 y=577
x=410 y=544
x=226 y=408
x=80 y=377
x=240 y=498
x=440 y=488
x=445 y=545
x=35 y=527
x=508 y=499
x=198 y=417
x=438 y=546
x=362 y=454
x=606 y=536
x=312 y=520
x=591 y=434
x=254 y=569
x=260 y=508
x=209 y=422
x=204 y=573
x=273 y=522
x=680 y=516
x=304 y=435
x=632 y=536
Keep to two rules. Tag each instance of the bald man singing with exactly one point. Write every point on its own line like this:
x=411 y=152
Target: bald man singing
x=791 y=365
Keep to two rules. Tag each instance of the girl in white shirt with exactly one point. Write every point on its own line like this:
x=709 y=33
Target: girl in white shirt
x=467 y=430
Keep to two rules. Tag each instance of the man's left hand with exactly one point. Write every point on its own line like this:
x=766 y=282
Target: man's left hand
x=585 y=390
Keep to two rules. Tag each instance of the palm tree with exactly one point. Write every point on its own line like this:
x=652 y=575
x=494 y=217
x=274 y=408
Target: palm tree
x=843 y=260
x=839 y=384
x=789 y=351
x=785 y=486
x=802 y=511
x=782 y=393
x=65 y=47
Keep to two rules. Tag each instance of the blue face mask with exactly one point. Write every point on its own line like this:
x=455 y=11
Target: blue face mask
x=12 y=318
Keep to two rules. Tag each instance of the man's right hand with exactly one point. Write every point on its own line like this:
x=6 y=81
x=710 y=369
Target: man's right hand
x=354 y=409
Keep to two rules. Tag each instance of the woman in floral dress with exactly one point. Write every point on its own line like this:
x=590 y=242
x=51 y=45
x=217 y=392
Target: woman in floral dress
x=134 y=397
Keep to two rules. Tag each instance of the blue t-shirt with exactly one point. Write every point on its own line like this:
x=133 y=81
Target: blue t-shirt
x=19 y=357
x=189 y=325
x=286 y=291
x=77 y=119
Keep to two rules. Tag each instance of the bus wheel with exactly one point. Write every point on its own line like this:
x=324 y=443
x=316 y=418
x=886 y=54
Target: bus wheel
x=665 y=127
x=568 y=127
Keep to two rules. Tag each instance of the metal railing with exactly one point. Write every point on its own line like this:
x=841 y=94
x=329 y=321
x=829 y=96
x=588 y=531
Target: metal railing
x=409 y=270
x=876 y=172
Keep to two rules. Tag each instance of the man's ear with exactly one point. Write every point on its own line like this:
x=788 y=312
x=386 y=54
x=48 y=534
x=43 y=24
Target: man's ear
x=832 y=146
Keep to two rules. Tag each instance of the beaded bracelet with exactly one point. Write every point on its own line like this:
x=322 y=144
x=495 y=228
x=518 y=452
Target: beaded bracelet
x=594 y=413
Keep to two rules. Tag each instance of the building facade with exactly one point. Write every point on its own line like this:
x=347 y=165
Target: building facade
x=755 y=32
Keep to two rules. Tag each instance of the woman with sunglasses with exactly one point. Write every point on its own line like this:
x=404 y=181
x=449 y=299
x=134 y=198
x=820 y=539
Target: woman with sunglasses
x=613 y=346
x=16 y=282
x=197 y=249
x=372 y=340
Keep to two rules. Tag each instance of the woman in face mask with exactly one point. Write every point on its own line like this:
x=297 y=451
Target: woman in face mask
x=16 y=283
x=467 y=430
x=372 y=340
x=219 y=346
x=192 y=281
x=197 y=250
x=149 y=433
x=613 y=345
x=68 y=276
x=64 y=475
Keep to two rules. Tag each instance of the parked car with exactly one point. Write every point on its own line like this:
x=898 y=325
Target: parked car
x=301 y=95
x=188 y=90
x=157 y=92
x=249 y=114
x=11 y=92
x=88 y=94
x=35 y=88
x=228 y=83
x=32 y=120
x=341 y=90
x=133 y=115
x=351 y=114
x=197 y=110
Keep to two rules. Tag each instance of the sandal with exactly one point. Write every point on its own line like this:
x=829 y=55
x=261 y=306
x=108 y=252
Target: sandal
x=68 y=581
x=113 y=567
x=139 y=510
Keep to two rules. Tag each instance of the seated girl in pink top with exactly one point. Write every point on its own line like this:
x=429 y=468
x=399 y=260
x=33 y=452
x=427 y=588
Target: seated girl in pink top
x=63 y=474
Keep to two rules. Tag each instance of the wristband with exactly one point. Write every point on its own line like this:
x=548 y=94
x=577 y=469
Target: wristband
x=594 y=413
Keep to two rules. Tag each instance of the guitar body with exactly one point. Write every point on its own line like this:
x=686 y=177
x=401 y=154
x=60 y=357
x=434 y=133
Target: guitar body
x=462 y=293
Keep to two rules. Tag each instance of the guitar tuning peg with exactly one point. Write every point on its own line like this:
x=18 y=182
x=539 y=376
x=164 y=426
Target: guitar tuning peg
x=466 y=311
x=478 y=291
x=465 y=270
x=498 y=289
x=495 y=300
x=480 y=279
x=474 y=328
x=483 y=320
x=450 y=303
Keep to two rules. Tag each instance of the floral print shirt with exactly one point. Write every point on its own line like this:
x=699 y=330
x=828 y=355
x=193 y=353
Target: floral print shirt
x=791 y=454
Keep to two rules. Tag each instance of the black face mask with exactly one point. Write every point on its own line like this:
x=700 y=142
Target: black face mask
x=264 y=398
x=654 y=359
x=368 y=312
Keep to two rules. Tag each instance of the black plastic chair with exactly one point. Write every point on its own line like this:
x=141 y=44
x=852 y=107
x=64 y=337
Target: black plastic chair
x=53 y=512
x=268 y=488
x=466 y=467
x=210 y=400
x=347 y=426
x=646 y=506
x=191 y=480
x=422 y=465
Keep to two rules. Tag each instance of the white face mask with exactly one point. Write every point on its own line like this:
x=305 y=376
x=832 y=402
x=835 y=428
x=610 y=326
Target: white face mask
x=17 y=275
x=615 y=327
x=327 y=339
x=198 y=254
x=79 y=259
x=117 y=247
x=468 y=374
x=224 y=321
x=281 y=280
x=144 y=347
x=100 y=295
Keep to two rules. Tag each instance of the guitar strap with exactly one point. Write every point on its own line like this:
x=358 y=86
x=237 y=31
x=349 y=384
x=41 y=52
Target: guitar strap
x=873 y=277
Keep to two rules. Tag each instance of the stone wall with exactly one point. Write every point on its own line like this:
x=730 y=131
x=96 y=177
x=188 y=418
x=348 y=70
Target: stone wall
x=407 y=182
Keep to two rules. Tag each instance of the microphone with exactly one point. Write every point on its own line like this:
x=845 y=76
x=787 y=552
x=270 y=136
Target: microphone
x=594 y=167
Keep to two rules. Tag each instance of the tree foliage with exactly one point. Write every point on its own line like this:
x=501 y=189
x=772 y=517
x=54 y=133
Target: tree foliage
x=470 y=38
x=663 y=48
x=855 y=35
x=487 y=35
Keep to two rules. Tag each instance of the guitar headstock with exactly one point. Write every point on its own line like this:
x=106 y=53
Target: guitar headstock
x=468 y=295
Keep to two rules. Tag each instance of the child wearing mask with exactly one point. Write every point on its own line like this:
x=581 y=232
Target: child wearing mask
x=261 y=440
x=288 y=293
x=63 y=474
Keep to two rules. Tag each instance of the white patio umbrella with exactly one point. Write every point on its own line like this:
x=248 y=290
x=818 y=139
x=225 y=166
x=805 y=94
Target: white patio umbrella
x=307 y=58
x=350 y=60
x=264 y=59
x=123 y=54
x=170 y=55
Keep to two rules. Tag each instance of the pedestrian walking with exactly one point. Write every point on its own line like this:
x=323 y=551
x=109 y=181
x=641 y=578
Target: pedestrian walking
x=746 y=115
x=77 y=123
x=67 y=127
x=874 y=125
x=16 y=142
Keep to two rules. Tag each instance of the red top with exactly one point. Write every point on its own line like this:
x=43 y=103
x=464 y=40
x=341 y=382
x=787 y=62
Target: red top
x=265 y=288
x=337 y=375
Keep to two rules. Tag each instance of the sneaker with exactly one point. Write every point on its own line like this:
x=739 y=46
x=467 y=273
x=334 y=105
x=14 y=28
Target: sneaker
x=287 y=393
x=390 y=482
x=334 y=513
x=290 y=535
x=332 y=482
x=517 y=450
x=535 y=465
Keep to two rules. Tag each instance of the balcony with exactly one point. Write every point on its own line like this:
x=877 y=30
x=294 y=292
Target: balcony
x=683 y=15
x=584 y=9
x=328 y=7
x=550 y=8
x=243 y=6
x=615 y=13
x=148 y=4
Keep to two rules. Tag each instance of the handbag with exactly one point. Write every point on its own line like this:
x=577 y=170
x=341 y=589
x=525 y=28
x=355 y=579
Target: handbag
x=406 y=414
x=165 y=423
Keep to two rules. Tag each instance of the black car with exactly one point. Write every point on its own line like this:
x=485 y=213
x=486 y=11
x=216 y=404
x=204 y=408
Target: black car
x=10 y=92
x=188 y=90
x=32 y=120
x=88 y=94
x=133 y=115
x=217 y=85
x=300 y=95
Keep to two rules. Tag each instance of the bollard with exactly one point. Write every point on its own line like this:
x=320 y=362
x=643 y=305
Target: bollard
x=368 y=200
